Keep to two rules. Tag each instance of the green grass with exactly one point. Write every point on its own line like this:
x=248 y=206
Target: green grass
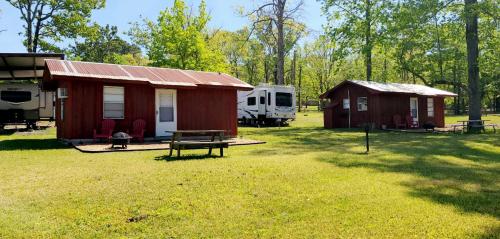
x=306 y=182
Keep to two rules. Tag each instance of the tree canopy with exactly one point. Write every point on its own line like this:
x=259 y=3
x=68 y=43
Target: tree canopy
x=47 y=22
x=179 y=39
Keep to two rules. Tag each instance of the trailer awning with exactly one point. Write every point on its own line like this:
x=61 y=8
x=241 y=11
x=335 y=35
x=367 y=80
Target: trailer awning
x=24 y=66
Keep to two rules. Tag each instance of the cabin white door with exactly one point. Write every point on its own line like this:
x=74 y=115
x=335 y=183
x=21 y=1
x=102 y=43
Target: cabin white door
x=166 y=112
x=414 y=109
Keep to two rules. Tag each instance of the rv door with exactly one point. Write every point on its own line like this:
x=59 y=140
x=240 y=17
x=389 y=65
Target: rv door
x=262 y=102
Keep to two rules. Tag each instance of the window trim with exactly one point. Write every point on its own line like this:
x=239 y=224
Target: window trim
x=358 y=104
x=103 y=102
x=430 y=113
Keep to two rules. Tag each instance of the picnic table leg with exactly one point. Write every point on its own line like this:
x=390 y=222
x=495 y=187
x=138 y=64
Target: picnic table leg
x=212 y=139
x=178 y=151
x=221 y=151
x=172 y=144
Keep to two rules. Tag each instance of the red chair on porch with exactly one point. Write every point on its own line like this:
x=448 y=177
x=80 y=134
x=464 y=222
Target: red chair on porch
x=138 y=129
x=398 y=123
x=410 y=122
x=106 y=131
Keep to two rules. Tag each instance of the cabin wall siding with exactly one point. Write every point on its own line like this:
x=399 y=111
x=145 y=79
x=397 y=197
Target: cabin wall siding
x=381 y=108
x=205 y=108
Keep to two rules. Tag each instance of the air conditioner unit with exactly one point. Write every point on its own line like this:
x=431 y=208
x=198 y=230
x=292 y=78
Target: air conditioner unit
x=62 y=93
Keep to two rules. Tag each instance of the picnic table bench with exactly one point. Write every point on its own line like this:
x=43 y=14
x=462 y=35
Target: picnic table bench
x=467 y=124
x=216 y=140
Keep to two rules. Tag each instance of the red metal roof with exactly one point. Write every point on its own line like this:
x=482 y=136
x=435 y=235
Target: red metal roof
x=153 y=75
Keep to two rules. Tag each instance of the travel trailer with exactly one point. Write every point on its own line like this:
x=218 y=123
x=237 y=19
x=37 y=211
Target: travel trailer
x=25 y=103
x=267 y=104
x=22 y=99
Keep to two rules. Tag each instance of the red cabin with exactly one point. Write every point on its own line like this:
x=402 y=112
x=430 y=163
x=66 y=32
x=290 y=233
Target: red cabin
x=167 y=99
x=354 y=103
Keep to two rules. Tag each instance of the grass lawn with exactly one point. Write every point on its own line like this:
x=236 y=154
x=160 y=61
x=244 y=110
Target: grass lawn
x=306 y=182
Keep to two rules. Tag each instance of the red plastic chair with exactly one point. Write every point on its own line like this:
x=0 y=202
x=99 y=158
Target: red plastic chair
x=410 y=122
x=106 y=131
x=398 y=123
x=138 y=129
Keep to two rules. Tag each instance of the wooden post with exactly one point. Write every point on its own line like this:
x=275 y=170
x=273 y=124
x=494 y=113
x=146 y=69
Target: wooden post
x=367 y=129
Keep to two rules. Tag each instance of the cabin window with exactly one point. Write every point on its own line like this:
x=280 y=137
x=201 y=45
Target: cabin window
x=251 y=101
x=166 y=108
x=283 y=99
x=346 y=104
x=430 y=107
x=269 y=98
x=262 y=100
x=362 y=103
x=15 y=96
x=114 y=102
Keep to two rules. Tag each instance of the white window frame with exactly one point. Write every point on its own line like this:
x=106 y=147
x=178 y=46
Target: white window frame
x=122 y=101
x=430 y=107
x=346 y=104
x=358 y=104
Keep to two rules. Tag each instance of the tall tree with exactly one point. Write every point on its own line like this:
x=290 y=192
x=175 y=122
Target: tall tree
x=50 y=20
x=471 y=33
x=361 y=24
x=104 y=46
x=277 y=14
x=179 y=39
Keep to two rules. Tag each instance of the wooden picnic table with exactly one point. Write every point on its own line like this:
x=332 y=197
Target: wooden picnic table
x=216 y=141
x=467 y=124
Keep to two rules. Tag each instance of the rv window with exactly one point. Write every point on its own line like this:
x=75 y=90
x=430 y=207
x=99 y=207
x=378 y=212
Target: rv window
x=430 y=107
x=262 y=100
x=362 y=103
x=16 y=96
x=283 y=99
x=251 y=101
x=269 y=98
x=114 y=102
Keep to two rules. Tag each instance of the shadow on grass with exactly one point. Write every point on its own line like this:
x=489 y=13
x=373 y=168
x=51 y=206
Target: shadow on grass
x=186 y=157
x=31 y=144
x=457 y=170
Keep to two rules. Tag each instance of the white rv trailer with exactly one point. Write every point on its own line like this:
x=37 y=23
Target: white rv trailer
x=267 y=104
x=22 y=99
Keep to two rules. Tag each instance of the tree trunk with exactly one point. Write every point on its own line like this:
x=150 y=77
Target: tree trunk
x=439 y=48
x=29 y=29
x=293 y=70
x=368 y=40
x=472 y=59
x=280 y=71
x=300 y=88
x=266 y=71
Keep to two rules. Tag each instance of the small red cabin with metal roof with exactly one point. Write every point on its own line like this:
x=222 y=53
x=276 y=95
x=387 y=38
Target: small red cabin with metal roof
x=167 y=99
x=355 y=103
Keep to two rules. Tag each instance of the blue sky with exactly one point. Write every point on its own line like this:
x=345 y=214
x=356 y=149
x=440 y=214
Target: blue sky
x=122 y=12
